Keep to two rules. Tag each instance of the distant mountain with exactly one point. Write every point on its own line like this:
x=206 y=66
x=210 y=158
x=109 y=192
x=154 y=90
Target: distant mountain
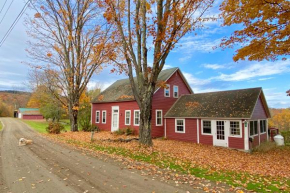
x=11 y=100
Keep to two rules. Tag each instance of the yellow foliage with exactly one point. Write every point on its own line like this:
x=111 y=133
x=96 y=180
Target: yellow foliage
x=281 y=120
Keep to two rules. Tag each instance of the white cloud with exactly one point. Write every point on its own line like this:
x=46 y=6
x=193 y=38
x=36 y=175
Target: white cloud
x=262 y=79
x=257 y=70
x=195 y=81
x=214 y=66
x=166 y=66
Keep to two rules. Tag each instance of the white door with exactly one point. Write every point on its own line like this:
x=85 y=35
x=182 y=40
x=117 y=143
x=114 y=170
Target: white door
x=220 y=137
x=115 y=118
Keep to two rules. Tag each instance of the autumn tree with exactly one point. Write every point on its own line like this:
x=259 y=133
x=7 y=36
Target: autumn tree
x=265 y=32
x=150 y=29
x=70 y=42
x=281 y=120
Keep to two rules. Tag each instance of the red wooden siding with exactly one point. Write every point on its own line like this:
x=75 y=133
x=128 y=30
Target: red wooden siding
x=263 y=137
x=130 y=105
x=160 y=102
x=236 y=142
x=190 y=130
x=259 y=111
x=32 y=117
x=204 y=139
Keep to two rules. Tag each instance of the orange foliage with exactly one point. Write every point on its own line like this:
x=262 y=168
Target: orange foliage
x=100 y=98
x=266 y=28
x=126 y=97
x=192 y=104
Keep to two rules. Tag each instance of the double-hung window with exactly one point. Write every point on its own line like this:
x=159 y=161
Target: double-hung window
x=97 y=116
x=263 y=126
x=136 y=117
x=235 y=129
x=253 y=128
x=206 y=127
x=104 y=116
x=175 y=91
x=158 y=117
x=167 y=90
x=180 y=125
x=127 y=117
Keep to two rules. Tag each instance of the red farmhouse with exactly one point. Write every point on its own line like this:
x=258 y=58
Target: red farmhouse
x=116 y=108
x=235 y=119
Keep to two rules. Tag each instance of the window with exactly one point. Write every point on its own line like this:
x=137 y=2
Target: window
x=97 y=116
x=104 y=116
x=253 y=128
x=167 y=90
x=175 y=91
x=158 y=117
x=127 y=117
x=136 y=117
x=235 y=128
x=179 y=125
x=206 y=127
x=263 y=126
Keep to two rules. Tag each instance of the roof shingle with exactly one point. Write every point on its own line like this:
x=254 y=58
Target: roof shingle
x=121 y=89
x=223 y=104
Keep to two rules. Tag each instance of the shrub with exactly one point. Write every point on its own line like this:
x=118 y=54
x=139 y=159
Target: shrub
x=286 y=135
x=265 y=147
x=125 y=131
x=129 y=131
x=54 y=128
x=119 y=132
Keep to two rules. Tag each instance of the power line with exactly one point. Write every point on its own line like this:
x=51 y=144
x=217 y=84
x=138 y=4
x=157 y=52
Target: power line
x=6 y=12
x=3 y=6
x=14 y=23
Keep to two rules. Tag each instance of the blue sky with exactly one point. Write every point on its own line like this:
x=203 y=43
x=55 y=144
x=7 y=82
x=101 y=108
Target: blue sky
x=205 y=68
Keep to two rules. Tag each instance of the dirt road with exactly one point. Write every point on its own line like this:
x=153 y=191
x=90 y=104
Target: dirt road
x=49 y=167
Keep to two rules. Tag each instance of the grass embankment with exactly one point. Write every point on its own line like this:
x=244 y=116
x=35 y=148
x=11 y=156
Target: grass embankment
x=258 y=182
x=41 y=125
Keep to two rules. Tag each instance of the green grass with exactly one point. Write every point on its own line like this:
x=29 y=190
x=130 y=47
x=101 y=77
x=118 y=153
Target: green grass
x=1 y=126
x=251 y=182
x=40 y=126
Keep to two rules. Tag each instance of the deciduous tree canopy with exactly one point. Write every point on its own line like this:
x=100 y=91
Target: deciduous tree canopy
x=266 y=28
x=71 y=41
x=150 y=28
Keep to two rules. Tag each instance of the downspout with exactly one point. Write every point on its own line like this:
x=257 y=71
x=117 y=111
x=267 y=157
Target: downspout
x=246 y=136
x=165 y=129
x=197 y=131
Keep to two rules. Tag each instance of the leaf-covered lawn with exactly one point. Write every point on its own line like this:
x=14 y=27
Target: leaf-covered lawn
x=260 y=172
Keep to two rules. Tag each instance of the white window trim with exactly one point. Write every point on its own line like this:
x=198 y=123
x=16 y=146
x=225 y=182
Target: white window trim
x=175 y=86
x=135 y=117
x=129 y=117
x=250 y=128
x=241 y=131
x=202 y=127
x=176 y=126
x=265 y=125
x=104 y=111
x=99 y=116
x=161 y=117
x=167 y=85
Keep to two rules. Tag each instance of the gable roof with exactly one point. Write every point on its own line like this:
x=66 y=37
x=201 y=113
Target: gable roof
x=121 y=89
x=223 y=104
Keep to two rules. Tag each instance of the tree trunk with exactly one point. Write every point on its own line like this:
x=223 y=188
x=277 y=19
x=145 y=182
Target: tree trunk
x=73 y=115
x=145 y=119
